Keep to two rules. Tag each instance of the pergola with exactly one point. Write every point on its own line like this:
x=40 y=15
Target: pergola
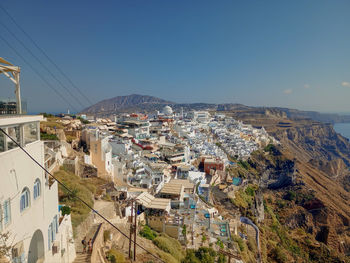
x=12 y=72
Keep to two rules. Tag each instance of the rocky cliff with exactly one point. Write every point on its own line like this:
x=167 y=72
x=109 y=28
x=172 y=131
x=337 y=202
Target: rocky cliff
x=306 y=184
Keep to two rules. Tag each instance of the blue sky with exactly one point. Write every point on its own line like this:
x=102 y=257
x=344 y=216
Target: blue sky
x=268 y=53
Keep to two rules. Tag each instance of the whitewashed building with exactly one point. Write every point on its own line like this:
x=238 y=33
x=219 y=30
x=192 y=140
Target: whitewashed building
x=29 y=199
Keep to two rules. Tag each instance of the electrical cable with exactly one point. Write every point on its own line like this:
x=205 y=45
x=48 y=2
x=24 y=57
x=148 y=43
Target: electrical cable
x=45 y=54
x=38 y=73
x=77 y=197
x=41 y=63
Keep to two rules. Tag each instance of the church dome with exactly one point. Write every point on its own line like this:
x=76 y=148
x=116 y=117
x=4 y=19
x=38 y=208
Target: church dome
x=167 y=110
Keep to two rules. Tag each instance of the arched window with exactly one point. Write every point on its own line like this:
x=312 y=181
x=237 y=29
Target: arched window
x=37 y=188
x=25 y=199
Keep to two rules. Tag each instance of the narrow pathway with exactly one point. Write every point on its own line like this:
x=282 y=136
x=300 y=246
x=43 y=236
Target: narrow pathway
x=85 y=257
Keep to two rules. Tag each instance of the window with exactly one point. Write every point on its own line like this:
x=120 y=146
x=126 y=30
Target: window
x=30 y=132
x=14 y=133
x=49 y=240
x=25 y=199
x=7 y=212
x=2 y=142
x=56 y=223
x=53 y=233
x=37 y=188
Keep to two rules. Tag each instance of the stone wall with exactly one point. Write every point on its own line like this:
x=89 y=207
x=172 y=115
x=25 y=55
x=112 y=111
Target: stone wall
x=97 y=246
x=82 y=230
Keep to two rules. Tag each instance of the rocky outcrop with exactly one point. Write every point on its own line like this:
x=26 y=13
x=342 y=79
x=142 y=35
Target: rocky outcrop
x=310 y=140
x=278 y=175
x=334 y=168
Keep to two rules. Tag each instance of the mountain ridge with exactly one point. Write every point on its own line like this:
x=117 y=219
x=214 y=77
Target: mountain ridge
x=146 y=103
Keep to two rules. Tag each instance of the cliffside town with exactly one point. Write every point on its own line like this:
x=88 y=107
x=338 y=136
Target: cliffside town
x=236 y=186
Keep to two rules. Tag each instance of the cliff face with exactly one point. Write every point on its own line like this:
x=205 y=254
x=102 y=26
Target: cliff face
x=306 y=184
x=285 y=113
x=313 y=140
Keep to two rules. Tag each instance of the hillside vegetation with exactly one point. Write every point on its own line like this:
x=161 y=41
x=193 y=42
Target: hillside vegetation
x=82 y=188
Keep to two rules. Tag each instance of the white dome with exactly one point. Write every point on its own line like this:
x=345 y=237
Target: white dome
x=167 y=110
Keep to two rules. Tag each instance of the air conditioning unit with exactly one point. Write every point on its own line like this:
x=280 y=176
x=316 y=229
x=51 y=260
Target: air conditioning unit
x=55 y=247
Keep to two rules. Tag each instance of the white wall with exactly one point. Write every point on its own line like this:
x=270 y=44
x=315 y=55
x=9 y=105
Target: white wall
x=18 y=171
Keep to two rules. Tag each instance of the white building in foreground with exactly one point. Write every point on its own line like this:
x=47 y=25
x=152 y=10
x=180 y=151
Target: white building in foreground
x=28 y=199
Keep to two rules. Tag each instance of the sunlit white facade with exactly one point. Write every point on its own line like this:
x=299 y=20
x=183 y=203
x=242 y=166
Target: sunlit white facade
x=28 y=199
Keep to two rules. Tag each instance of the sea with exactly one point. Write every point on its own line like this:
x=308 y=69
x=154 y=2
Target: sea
x=343 y=129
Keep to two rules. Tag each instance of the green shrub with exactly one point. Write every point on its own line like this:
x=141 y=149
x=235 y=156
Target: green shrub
x=79 y=211
x=239 y=242
x=115 y=256
x=290 y=196
x=221 y=259
x=169 y=245
x=250 y=191
x=148 y=233
x=48 y=137
x=220 y=243
x=244 y=164
x=206 y=255
x=65 y=210
x=190 y=257
x=184 y=231
x=281 y=203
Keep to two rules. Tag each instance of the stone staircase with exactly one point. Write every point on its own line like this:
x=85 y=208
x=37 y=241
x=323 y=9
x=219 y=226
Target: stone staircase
x=82 y=258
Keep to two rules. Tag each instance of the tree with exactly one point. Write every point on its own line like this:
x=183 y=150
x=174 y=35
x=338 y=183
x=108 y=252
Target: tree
x=206 y=255
x=221 y=258
x=190 y=257
x=5 y=248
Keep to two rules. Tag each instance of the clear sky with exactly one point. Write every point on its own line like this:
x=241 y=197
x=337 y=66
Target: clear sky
x=266 y=53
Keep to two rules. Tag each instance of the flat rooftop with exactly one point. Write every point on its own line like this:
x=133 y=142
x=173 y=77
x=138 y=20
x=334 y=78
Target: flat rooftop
x=172 y=189
x=18 y=119
x=149 y=201
x=184 y=182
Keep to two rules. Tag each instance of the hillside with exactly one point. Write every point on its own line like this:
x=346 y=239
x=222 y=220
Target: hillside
x=150 y=104
x=126 y=103
x=305 y=188
x=242 y=110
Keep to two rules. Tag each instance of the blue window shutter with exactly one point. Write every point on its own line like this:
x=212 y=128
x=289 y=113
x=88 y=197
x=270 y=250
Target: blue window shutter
x=56 y=223
x=7 y=212
x=49 y=237
x=52 y=232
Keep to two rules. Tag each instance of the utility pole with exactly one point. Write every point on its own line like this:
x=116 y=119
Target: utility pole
x=131 y=227
x=135 y=231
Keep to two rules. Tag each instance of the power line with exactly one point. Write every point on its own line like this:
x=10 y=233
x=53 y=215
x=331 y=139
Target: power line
x=45 y=54
x=42 y=64
x=38 y=73
x=77 y=197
